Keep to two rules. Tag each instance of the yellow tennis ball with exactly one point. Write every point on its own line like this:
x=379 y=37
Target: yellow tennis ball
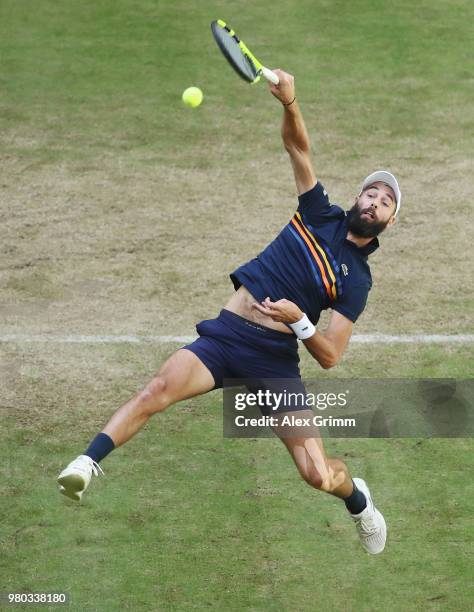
x=192 y=96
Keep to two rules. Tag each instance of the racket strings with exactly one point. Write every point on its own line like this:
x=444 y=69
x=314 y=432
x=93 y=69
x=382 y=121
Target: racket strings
x=236 y=52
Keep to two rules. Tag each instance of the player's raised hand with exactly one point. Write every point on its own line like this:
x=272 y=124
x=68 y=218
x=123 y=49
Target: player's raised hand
x=282 y=311
x=285 y=90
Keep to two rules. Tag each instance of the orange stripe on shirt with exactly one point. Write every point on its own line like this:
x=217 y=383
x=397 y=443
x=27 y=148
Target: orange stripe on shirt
x=323 y=254
x=316 y=257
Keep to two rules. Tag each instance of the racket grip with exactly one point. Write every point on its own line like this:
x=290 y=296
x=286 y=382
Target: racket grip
x=270 y=75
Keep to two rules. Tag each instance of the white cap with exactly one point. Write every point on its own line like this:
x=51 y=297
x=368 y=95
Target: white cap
x=383 y=176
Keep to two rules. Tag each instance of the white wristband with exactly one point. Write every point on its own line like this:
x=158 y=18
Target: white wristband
x=303 y=328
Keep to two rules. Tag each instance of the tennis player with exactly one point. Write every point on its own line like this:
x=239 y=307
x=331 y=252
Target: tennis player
x=318 y=261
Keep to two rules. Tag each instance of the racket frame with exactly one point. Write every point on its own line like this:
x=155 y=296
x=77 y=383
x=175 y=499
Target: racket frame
x=259 y=68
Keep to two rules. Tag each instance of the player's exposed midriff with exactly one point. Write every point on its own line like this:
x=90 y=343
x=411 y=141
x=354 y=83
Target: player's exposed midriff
x=241 y=303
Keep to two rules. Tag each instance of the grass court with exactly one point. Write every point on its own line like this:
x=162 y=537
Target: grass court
x=123 y=213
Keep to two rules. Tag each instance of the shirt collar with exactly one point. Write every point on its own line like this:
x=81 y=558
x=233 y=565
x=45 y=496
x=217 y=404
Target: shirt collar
x=367 y=249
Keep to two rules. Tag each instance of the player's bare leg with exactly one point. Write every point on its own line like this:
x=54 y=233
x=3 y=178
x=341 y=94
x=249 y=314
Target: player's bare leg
x=318 y=470
x=182 y=376
x=332 y=476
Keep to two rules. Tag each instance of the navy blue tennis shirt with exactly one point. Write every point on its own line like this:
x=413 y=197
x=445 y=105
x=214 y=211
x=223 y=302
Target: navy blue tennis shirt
x=311 y=262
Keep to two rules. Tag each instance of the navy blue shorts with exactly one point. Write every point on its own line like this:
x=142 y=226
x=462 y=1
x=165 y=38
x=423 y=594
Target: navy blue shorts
x=233 y=347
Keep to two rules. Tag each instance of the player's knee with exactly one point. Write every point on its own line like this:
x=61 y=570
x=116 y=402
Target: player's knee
x=314 y=478
x=326 y=484
x=155 y=396
x=318 y=478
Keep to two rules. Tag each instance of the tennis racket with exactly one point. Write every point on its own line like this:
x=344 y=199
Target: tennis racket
x=238 y=55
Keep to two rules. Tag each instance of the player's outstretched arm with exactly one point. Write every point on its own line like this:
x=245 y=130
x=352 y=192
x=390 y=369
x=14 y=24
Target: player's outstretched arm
x=294 y=133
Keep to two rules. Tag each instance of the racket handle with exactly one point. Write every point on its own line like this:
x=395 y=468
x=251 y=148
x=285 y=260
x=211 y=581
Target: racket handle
x=270 y=75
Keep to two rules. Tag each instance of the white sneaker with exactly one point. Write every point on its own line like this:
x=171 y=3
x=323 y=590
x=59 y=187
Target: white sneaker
x=370 y=524
x=75 y=478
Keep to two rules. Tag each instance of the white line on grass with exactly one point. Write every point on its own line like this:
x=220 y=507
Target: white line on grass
x=358 y=338
x=413 y=339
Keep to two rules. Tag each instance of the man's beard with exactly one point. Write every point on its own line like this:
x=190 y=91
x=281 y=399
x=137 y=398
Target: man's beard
x=363 y=227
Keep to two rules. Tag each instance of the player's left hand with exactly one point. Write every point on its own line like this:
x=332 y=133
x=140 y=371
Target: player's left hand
x=282 y=311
